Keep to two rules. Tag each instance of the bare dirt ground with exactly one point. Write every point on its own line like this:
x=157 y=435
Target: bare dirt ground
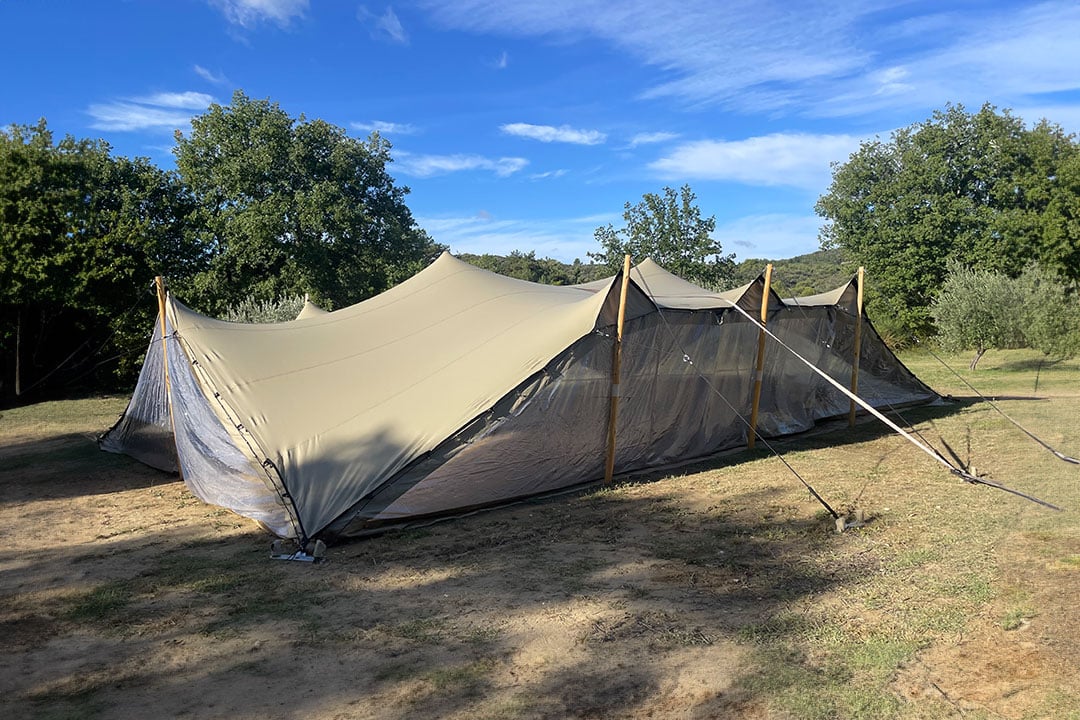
x=712 y=593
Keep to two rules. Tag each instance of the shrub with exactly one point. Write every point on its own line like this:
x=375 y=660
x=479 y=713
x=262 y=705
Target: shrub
x=252 y=310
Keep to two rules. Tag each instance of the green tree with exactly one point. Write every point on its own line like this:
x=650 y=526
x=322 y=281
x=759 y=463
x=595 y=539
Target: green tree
x=526 y=266
x=288 y=206
x=979 y=188
x=978 y=310
x=81 y=232
x=1051 y=313
x=669 y=229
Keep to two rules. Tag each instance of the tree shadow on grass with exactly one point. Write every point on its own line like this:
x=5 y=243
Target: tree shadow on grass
x=1032 y=365
x=69 y=465
x=424 y=623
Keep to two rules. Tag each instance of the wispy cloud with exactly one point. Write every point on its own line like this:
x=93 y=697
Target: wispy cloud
x=549 y=175
x=564 y=239
x=503 y=61
x=819 y=58
x=388 y=22
x=162 y=111
x=424 y=166
x=652 y=138
x=182 y=100
x=248 y=13
x=209 y=76
x=548 y=133
x=766 y=46
x=782 y=159
x=386 y=128
x=387 y=26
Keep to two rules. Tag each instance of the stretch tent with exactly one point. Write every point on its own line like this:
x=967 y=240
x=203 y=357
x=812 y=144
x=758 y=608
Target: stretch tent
x=460 y=388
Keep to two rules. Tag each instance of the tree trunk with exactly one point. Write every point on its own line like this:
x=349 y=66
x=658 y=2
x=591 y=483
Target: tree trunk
x=975 y=360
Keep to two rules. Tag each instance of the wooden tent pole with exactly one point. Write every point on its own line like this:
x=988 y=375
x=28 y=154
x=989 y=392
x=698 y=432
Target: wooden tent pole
x=18 y=351
x=858 y=348
x=616 y=375
x=159 y=284
x=759 y=368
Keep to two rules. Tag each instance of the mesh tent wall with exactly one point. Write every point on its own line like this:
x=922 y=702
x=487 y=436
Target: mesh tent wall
x=460 y=388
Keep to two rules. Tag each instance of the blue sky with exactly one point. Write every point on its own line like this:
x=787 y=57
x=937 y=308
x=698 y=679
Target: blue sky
x=526 y=124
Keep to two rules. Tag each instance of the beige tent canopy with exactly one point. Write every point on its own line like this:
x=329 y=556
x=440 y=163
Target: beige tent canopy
x=460 y=388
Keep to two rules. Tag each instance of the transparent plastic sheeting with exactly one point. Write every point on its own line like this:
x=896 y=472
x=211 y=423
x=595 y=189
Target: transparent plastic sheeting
x=686 y=379
x=214 y=468
x=144 y=431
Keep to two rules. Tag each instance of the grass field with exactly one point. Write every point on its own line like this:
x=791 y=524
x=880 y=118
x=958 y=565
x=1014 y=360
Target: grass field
x=718 y=591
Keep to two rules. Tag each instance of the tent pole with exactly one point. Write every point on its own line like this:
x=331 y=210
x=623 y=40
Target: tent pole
x=751 y=434
x=159 y=285
x=616 y=375
x=18 y=351
x=858 y=348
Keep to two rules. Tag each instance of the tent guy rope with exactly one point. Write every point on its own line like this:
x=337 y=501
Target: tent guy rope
x=937 y=456
x=1057 y=453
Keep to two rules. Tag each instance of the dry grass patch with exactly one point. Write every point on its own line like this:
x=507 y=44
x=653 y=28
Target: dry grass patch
x=719 y=590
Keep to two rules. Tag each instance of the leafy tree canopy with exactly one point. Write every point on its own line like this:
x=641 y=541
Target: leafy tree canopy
x=980 y=188
x=982 y=310
x=669 y=229
x=80 y=229
x=286 y=206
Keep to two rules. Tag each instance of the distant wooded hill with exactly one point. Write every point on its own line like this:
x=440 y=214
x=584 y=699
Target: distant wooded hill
x=803 y=275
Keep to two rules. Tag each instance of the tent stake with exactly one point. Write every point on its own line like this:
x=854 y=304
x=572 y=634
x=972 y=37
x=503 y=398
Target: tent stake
x=751 y=433
x=616 y=375
x=858 y=349
x=159 y=285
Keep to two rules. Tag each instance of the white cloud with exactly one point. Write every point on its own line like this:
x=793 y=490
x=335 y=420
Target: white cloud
x=652 y=138
x=782 y=159
x=248 y=13
x=209 y=76
x=388 y=22
x=709 y=51
x=386 y=26
x=823 y=58
x=182 y=100
x=550 y=174
x=548 y=133
x=423 y=166
x=126 y=116
x=161 y=111
x=891 y=81
x=503 y=61
x=769 y=236
x=564 y=239
x=386 y=128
